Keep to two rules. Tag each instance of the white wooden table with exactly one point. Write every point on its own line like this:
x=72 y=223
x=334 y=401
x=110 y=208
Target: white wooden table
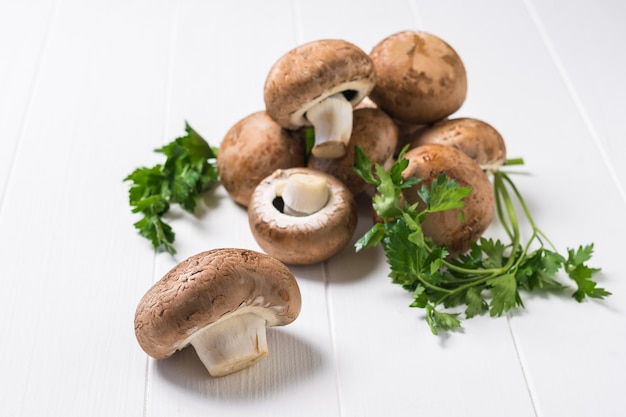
x=89 y=88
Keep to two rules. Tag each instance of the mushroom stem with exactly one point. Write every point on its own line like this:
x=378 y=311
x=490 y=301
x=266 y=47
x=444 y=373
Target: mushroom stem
x=304 y=194
x=332 y=120
x=232 y=344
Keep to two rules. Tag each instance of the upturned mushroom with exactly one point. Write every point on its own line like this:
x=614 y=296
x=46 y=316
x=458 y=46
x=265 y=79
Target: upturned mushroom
x=252 y=149
x=476 y=138
x=420 y=79
x=372 y=130
x=220 y=302
x=302 y=216
x=448 y=227
x=318 y=84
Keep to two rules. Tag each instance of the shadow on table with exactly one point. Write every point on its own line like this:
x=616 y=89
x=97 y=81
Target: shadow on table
x=290 y=361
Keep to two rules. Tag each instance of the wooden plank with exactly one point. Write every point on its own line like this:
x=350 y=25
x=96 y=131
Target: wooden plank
x=591 y=70
x=518 y=86
x=380 y=343
x=19 y=65
x=592 y=336
x=388 y=361
x=222 y=54
x=73 y=268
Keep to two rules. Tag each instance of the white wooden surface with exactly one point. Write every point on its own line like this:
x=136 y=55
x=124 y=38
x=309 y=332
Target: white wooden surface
x=89 y=88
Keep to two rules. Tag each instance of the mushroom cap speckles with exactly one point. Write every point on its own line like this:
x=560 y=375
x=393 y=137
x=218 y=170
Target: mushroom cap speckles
x=420 y=78
x=206 y=288
x=312 y=72
x=478 y=139
x=301 y=240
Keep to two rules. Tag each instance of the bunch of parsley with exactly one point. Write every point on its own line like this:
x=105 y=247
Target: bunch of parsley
x=486 y=279
x=189 y=170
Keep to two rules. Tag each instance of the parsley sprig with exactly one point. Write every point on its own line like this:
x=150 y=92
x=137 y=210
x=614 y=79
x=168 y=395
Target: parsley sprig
x=490 y=276
x=189 y=170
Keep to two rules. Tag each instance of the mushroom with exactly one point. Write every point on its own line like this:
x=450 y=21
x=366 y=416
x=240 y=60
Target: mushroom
x=219 y=301
x=375 y=132
x=420 y=79
x=302 y=216
x=448 y=227
x=254 y=148
x=478 y=139
x=407 y=132
x=318 y=84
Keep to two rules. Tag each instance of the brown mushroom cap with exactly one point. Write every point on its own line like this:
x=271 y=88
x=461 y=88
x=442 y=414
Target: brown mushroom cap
x=301 y=240
x=309 y=73
x=375 y=132
x=254 y=148
x=478 y=139
x=420 y=79
x=445 y=227
x=407 y=132
x=209 y=286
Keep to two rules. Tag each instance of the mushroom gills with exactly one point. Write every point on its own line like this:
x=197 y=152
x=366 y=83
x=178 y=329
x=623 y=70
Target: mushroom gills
x=304 y=194
x=232 y=344
x=332 y=120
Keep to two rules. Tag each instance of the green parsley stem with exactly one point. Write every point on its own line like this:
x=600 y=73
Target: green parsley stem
x=470 y=271
x=514 y=161
x=470 y=284
x=508 y=217
x=538 y=233
x=502 y=194
x=433 y=286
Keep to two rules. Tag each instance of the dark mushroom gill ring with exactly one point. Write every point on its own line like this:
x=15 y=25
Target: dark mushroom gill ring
x=301 y=240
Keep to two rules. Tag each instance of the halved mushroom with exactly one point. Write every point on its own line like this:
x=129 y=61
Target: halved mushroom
x=318 y=84
x=449 y=227
x=252 y=149
x=302 y=216
x=375 y=132
x=420 y=79
x=219 y=301
x=478 y=139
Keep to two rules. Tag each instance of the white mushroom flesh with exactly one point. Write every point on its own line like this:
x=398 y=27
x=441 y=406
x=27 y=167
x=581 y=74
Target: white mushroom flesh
x=304 y=194
x=232 y=344
x=332 y=120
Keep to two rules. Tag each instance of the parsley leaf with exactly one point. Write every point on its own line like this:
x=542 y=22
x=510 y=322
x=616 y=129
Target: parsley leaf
x=443 y=195
x=504 y=295
x=189 y=170
x=438 y=320
x=581 y=274
x=476 y=304
x=490 y=276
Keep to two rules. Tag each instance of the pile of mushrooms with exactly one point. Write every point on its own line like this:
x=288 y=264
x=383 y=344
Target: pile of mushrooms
x=402 y=93
x=301 y=205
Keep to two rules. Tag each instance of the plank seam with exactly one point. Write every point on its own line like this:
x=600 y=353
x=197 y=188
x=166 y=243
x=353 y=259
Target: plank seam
x=522 y=367
x=569 y=86
x=166 y=124
x=333 y=339
x=29 y=101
